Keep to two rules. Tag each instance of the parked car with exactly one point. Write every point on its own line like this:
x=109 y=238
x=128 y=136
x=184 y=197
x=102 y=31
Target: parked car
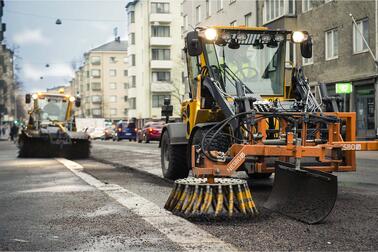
x=96 y=133
x=125 y=130
x=151 y=131
x=108 y=133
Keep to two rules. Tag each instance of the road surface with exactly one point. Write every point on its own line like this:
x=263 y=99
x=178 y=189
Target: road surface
x=114 y=201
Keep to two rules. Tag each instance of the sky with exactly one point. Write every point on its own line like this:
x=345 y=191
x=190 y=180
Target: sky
x=38 y=41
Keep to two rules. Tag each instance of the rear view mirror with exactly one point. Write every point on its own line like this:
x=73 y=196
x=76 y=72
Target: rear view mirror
x=77 y=102
x=193 y=44
x=306 y=48
x=27 y=98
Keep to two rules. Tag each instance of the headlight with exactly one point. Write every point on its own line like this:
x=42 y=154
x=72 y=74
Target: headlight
x=265 y=38
x=35 y=96
x=210 y=34
x=298 y=37
x=226 y=36
x=241 y=36
x=72 y=99
x=279 y=37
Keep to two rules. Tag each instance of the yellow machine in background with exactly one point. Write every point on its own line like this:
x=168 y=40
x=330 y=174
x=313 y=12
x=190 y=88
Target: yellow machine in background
x=242 y=117
x=51 y=129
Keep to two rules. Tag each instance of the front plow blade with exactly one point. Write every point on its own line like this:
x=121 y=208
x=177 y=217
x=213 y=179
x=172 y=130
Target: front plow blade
x=306 y=195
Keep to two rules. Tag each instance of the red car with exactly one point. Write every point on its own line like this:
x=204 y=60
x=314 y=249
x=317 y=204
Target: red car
x=151 y=132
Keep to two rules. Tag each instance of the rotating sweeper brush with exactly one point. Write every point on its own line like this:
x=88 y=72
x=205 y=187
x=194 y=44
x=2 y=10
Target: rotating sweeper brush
x=211 y=197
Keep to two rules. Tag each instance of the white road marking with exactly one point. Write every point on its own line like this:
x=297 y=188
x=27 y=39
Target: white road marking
x=178 y=230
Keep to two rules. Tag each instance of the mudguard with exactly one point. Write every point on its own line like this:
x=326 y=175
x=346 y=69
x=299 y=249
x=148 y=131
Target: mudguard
x=177 y=133
x=306 y=195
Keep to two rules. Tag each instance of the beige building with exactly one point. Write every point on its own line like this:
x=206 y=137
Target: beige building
x=102 y=82
x=155 y=56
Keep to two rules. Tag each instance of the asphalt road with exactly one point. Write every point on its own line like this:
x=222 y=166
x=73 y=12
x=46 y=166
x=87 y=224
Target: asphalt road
x=114 y=201
x=352 y=225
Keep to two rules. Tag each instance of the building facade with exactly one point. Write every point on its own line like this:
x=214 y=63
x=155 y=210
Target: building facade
x=339 y=52
x=57 y=89
x=155 y=57
x=102 y=82
x=8 y=108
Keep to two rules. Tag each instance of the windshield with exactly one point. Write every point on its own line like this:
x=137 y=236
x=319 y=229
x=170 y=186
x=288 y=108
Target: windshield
x=53 y=108
x=261 y=70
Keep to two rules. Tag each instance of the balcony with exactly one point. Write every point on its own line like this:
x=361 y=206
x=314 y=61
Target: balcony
x=161 y=41
x=161 y=17
x=161 y=87
x=161 y=64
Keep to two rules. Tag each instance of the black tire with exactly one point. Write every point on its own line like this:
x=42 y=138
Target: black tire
x=259 y=175
x=23 y=147
x=173 y=159
x=79 y=150
x=219 y=143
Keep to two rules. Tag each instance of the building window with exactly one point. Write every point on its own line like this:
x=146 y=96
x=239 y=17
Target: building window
x=161 y=54
x=359 y=44
x=113 y=85
x=125 y=85
x=219 y=5
x=95 y=112
x=113 y=111
x=331 y=44
x=113 y=98
x=161 y=76
x=125 y=98
x=306 y=61
x=133 y=60
x=96 y=86
x=96 y=73
x=306 y=5
x=125 y=73
x=132 y=38
x=208 y=8
x=274 y=9
x=160 y=31
x=158 y=100
x=198 y=14
x=95 y=60
x=87 y=86
x=125 y=60
x=112 y=60
x=133 y=81
x=185 y=22
x=160 y=7
x=248 y=19
x=233 y=23
x=112 y=72
x=132 y=103
x=96 y=98
x=125 y=111
x=131 y=17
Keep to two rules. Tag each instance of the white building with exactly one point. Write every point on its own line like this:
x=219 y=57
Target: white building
x=155 y=56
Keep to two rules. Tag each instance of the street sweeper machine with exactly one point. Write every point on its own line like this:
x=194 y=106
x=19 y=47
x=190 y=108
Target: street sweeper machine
x=244 y=114
x=51 y=129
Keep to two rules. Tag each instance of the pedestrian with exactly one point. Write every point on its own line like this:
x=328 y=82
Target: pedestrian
x=13 y=132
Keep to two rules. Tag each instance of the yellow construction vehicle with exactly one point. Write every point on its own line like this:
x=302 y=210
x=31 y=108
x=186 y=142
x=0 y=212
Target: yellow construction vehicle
x=51 y=129
x=242 y=116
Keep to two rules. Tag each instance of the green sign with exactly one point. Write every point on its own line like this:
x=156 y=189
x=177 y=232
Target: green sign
x=344 y=88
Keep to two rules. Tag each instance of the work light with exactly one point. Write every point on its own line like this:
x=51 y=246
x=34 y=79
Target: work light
x=210 y=34
x=298 y=37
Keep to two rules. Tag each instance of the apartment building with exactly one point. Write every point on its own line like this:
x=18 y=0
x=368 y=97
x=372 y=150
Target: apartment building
x=339 y=52
x=102 y=81
x=155 y=57
x=7 y=82
x=218 y=12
